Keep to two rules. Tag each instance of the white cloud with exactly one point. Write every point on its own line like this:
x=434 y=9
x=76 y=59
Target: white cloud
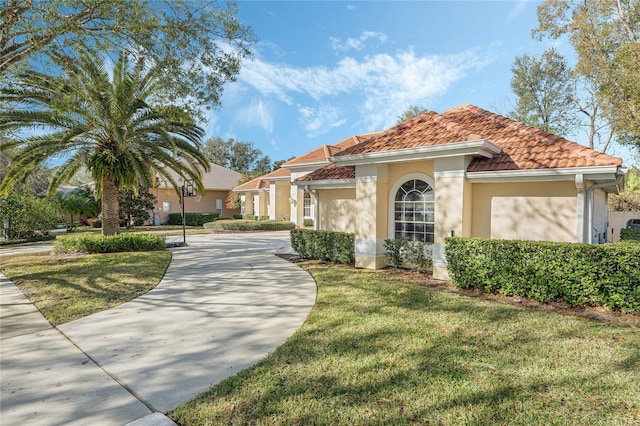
x=257 y=114
x=517 y=9
x=356 y=43
x=382 y=85
x=320 y=120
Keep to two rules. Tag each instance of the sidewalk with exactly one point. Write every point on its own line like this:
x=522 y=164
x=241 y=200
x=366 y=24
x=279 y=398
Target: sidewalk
x=225 y=302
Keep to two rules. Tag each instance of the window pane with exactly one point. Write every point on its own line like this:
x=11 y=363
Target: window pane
x=421 y=186
x=413 y=196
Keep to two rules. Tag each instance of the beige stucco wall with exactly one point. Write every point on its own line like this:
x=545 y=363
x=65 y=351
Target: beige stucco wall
x=204 y=204
x=525 y=211
x=337 y=210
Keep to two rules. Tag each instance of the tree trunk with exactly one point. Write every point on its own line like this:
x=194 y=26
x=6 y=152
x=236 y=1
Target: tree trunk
x=110 y=208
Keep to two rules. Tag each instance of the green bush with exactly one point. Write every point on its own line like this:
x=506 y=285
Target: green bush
x=411 y=254
x=29 y=216
x=393 y=250
x=307 y=223
x=237 y=216
x=249 y=225
x=577 y=274
x=630 y=234
x=250 y=217
x=88 y=243
x=323 y=245
x=192 y=219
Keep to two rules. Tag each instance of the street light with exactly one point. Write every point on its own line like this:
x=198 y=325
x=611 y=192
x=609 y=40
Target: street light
x=187 y=191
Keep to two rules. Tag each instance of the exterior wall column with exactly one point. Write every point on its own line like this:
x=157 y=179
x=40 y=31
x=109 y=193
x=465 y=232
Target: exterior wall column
x=372 y=206
x=248 y=203
x=452 y=208
x=582 y=213
x=262 y=204
x=296 y=201
x=273 y=200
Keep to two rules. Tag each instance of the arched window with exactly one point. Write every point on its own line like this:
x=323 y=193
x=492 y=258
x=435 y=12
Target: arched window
x=414 y=211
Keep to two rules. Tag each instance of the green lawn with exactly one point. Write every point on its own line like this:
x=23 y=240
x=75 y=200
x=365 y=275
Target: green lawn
x=380 y=350
x=65 y=288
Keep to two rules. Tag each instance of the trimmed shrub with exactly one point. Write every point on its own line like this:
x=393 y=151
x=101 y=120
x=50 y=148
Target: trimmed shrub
x=577 y=274
x=192 y=219
x=630 y=234
x=330 y=246
x=307 y=223
x=250 y=217
x=237 y=216
x=264 y=217
x=393 y=250
x=401 y=252
x=88 y=243
x=249 y=225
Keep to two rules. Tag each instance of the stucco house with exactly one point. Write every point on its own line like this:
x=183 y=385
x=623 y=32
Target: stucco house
x=465 y=172
x=217 y=183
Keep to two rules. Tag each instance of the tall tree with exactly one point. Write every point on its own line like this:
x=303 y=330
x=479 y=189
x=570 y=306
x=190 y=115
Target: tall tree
x=606 y=37
x=99 y=118
x=412 y=111
x=135 y=205
x=544 y=89
x=200 y=44
x=242 y=157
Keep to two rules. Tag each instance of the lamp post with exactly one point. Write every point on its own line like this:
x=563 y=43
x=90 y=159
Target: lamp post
x=187 y=191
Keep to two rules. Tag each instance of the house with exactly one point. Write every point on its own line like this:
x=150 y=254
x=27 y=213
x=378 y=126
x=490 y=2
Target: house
x=217 y=183
x=465 y=172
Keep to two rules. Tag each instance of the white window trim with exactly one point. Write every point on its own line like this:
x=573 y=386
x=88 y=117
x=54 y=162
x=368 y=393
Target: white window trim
x=392 y=197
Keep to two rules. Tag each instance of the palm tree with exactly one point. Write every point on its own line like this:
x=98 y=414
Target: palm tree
x=89 y=116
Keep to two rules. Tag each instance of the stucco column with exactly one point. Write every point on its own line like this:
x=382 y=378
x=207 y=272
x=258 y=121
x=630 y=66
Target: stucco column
x=372 y=199
x=582 y=230
x=452 y=208
x=248 y=203
x=262 y=204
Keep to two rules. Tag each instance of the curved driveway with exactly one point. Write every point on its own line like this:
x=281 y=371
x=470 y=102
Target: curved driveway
x=224 y=303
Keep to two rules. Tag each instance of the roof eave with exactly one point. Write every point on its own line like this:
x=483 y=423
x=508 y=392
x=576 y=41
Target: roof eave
x=593 y=173
x=481 y=147
x=327 y=183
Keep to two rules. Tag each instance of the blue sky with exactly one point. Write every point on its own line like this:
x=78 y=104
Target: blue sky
x=323 y=71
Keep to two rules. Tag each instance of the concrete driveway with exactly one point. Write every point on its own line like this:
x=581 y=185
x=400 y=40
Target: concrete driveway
x=224 y=303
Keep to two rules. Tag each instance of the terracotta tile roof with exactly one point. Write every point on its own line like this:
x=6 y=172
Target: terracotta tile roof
x=329 y=172
x=427 y=129
x=323 y=153
x=523 y=147
x=262 y=182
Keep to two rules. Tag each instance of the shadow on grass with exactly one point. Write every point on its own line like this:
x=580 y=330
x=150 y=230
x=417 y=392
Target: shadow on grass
x=376 y=350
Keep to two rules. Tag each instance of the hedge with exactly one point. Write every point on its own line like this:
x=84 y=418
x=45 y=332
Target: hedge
x=323 y=245
x=577 y=274
x=192 y=219
x=88 y=243
x=249 y=225
x=630 y=234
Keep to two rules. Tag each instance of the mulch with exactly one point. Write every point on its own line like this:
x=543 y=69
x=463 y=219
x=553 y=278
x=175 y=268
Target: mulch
x=595 y=313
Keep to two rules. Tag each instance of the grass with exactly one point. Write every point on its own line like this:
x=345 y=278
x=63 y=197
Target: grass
x=379 y=349
x=65 y=288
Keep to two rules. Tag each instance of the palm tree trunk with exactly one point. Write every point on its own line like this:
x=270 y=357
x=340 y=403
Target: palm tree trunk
x=110 y=208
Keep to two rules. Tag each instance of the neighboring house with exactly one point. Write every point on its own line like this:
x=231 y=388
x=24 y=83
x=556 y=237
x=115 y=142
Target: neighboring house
x=618 y=221
x=217 y=183
x=465 y=172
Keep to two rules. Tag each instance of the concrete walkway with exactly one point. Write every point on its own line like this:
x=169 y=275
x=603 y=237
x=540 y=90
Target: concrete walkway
x=224 y=303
